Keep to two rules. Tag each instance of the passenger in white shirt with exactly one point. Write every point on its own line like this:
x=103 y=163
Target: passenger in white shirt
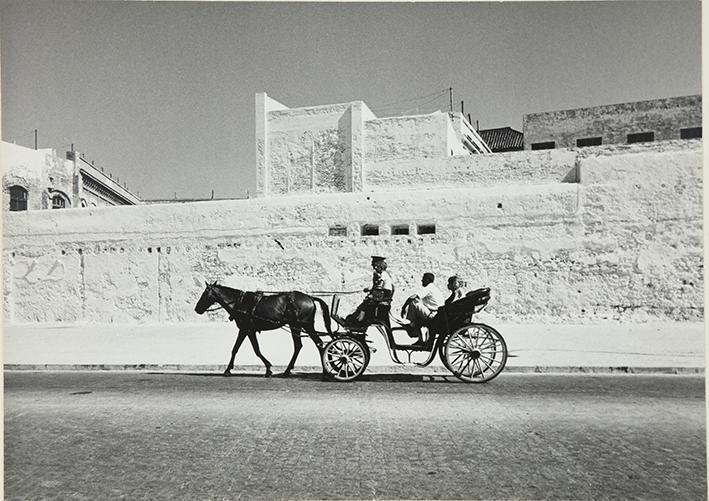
x=458 y=288
x=422 y=306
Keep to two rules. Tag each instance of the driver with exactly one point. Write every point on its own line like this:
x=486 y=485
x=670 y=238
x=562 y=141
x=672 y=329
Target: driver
x=380 y=293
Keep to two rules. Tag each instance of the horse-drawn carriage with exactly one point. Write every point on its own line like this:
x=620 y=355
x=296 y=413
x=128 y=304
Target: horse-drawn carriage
x=473 y=352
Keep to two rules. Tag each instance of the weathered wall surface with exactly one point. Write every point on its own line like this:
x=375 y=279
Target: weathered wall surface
x=625 y=243
x=664 y=117
x=309 y=149
x=537 y=167
x=420 y=136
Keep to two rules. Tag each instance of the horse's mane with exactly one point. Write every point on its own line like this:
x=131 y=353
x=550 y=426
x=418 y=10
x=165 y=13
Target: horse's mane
x=227 y=289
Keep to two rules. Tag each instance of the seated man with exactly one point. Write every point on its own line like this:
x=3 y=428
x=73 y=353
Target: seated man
x=458 y=289
x=379 y=294
x=422 y=306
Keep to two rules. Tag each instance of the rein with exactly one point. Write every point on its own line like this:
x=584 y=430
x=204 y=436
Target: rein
x=326 y=293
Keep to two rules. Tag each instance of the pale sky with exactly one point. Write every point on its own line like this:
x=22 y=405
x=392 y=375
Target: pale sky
x=161 y=94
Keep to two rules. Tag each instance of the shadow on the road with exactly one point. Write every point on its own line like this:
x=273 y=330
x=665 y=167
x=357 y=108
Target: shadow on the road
x=315 y=376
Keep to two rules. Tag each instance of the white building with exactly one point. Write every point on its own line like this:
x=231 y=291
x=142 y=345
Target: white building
x=40 y=179
x=330 y=148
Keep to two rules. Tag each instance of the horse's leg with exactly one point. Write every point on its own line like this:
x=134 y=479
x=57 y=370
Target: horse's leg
x=318 y=344
x=257 y=350
x=297 y=345
x=239 y=339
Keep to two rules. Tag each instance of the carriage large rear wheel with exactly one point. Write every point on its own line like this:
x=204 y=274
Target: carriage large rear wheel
x=475 y=353
x=345 y=358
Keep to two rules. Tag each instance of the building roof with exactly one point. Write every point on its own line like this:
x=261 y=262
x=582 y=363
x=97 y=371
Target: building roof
x=502 y=139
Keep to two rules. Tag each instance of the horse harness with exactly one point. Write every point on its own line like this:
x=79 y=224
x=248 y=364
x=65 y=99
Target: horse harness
x=245 y=305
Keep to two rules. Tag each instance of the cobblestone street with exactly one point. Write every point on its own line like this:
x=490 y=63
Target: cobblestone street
x=140 y=435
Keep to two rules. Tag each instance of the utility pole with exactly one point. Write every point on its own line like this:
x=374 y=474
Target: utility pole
x=461 y=109
x=450 y=97
x=35 y=139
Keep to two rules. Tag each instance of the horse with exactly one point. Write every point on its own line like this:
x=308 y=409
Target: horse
x=255 y=312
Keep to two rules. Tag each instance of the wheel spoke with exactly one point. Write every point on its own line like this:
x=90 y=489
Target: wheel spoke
x=467 y=367
x=485 y=357
x=456 y=357
x=492 y=342
x=458 y=343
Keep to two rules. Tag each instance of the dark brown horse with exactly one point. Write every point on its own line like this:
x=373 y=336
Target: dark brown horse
x=255 y=312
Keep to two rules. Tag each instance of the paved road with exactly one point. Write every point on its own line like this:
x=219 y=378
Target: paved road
x=112 y=435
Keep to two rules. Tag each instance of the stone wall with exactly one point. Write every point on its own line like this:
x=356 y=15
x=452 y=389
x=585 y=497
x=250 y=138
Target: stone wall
x=625 y=243
x=400 y=138
x=309 y=149
x=329 y=148
x=538 y=167
x=664 y=117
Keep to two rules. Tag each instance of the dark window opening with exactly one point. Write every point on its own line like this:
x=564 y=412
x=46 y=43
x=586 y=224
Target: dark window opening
x=337 y=231
x=426 y=229
x=549 y=145
x=58 y=202
x=641 y=137
x=370 y=230
x=589 y=141
x=18 y=198
x=400 y=229
x=690 y=133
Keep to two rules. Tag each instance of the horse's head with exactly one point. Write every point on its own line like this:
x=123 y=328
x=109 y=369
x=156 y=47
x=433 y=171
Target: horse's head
x=207 y=299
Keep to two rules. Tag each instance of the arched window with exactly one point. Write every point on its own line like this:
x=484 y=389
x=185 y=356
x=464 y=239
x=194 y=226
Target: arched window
x=84 y=203
x=18 y=198
x=59 y=201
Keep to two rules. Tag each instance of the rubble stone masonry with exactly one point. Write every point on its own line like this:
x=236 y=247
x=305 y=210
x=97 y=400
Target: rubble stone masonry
x=562 y=236
x=612 y=123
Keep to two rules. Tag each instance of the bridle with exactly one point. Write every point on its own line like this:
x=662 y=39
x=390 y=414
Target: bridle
x=218 y=305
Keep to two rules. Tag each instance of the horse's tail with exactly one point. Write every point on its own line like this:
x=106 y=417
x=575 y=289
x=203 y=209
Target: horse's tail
x=325 y=313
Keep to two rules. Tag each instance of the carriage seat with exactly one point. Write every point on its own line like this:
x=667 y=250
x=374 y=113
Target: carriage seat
x=398 y=321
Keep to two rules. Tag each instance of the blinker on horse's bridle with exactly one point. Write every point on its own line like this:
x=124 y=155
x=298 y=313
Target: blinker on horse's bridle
x=218 y=305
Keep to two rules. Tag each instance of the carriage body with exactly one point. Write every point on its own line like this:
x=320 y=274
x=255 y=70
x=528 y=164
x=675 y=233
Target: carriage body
x=473 y=352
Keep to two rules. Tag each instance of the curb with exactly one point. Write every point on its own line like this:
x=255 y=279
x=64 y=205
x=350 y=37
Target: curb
x=382 y=370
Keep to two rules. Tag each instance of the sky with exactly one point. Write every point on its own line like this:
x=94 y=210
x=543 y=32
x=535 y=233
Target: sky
x=161 y=94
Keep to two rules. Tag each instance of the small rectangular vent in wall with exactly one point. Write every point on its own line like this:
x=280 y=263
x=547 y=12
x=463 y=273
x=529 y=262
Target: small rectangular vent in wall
x=337 y=231
x=400 y=229
x=426 y=229
x=641 y=137
x=690 y=133
x=589 y=141
x=549 y=145
x=370 y=230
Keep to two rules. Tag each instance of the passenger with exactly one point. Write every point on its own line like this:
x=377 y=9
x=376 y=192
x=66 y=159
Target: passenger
x=380 y=293
x=422 y=306
x=458 y=289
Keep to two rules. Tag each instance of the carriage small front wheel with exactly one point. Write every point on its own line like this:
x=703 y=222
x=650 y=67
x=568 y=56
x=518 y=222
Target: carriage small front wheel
x=345 y=358
x=475 y=353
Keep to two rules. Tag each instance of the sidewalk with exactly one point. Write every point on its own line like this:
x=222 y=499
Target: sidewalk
x=602 y=347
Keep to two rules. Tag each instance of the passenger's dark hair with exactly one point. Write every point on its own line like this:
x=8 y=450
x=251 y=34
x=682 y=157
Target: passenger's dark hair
x=429 y=276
